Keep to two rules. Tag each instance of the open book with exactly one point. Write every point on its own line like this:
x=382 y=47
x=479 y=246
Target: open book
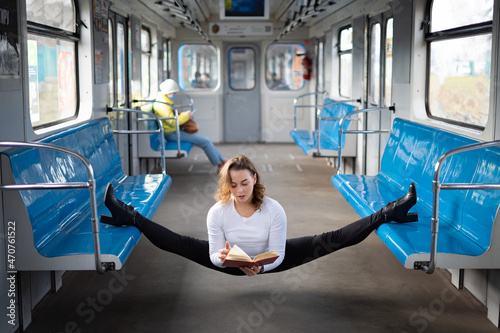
x=238 y=258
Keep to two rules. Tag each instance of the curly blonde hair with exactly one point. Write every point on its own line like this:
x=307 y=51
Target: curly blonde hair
x=242 y=162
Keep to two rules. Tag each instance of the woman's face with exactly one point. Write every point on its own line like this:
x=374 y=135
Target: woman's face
x=242 y=183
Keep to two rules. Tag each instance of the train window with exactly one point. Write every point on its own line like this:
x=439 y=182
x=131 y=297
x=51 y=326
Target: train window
x=52 y=37
x=169 y=59
x=283 y=66
x=165 y=60
x=242 y=68
x=111 y=34
x=145 y=62
x=459 y=39
x=57 y=14
x=449 y=14
x=375 y=64
x=321 y=65
x=345 y=62
x=198 y=67
x=120 y=63
x=388 y=62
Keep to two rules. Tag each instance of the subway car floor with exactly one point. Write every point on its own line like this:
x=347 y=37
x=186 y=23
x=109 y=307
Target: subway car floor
x=363 y=288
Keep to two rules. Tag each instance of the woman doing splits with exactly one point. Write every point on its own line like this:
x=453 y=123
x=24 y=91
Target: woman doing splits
x=245 y=216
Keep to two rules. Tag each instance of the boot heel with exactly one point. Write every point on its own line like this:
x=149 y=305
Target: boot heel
x=410 y=217
x=106 y=219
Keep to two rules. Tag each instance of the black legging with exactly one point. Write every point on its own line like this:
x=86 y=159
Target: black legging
x=298 y=251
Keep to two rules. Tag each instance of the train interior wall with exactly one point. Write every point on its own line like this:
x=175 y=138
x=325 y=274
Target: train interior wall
x=277 y=111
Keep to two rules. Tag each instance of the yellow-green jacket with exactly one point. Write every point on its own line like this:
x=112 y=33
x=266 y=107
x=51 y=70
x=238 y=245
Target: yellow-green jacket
x=163 y=110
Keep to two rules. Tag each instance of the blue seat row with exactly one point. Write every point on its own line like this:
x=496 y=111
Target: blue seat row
x=54 y=225
x=466 y=236
x=323 y=141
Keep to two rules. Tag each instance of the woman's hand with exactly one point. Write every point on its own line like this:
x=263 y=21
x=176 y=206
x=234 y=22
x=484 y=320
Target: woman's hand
x=190 y=114
x=251 y=271
x=223 y=252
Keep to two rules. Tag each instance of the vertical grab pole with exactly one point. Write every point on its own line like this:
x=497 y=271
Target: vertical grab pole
x=178 y=128
x=162 y=146
x=95 y=224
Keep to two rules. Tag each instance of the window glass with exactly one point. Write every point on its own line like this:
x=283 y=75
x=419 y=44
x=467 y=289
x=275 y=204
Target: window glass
x=388 y=62
x=345 y=62
x=346 y=39
x=241 y=69
x=321 y=65
x=120 y=64
x=51 y=61
x=198 y=67
x=52 y=79
x=458 y=86
x=375 y=64
x=169 y=59
x=459 y=82
x=284 y=66
x=448 y=14
x=145 y=62
x=54 y=13
x=164 y=61
x=111 y=64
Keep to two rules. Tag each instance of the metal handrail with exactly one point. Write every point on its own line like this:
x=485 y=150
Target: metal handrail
x=296 y=100
x=319 y=118
x=90 y=184
x=159 y=130
x=347 y=115
x=430 y=266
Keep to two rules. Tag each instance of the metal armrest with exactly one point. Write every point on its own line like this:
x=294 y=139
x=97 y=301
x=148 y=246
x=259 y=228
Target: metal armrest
x=336 y=118
x=90 y=185
x=152 y=117
x=346 y=116
x=296 y=100
x=430 y=266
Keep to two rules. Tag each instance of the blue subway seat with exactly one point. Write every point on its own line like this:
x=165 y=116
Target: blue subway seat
x=170 y=146
x=54 y=230
x=466 y=216
x=327 y=131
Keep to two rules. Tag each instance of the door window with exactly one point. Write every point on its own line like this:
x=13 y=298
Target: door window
x=242 y=68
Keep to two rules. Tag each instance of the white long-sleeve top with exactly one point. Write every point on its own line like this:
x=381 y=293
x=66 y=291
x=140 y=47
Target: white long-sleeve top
x=264 y=231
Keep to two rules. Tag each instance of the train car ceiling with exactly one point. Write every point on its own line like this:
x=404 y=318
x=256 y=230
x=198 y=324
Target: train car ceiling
x=289 y=14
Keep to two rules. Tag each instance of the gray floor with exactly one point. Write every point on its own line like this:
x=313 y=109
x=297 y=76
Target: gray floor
x=359 y=289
